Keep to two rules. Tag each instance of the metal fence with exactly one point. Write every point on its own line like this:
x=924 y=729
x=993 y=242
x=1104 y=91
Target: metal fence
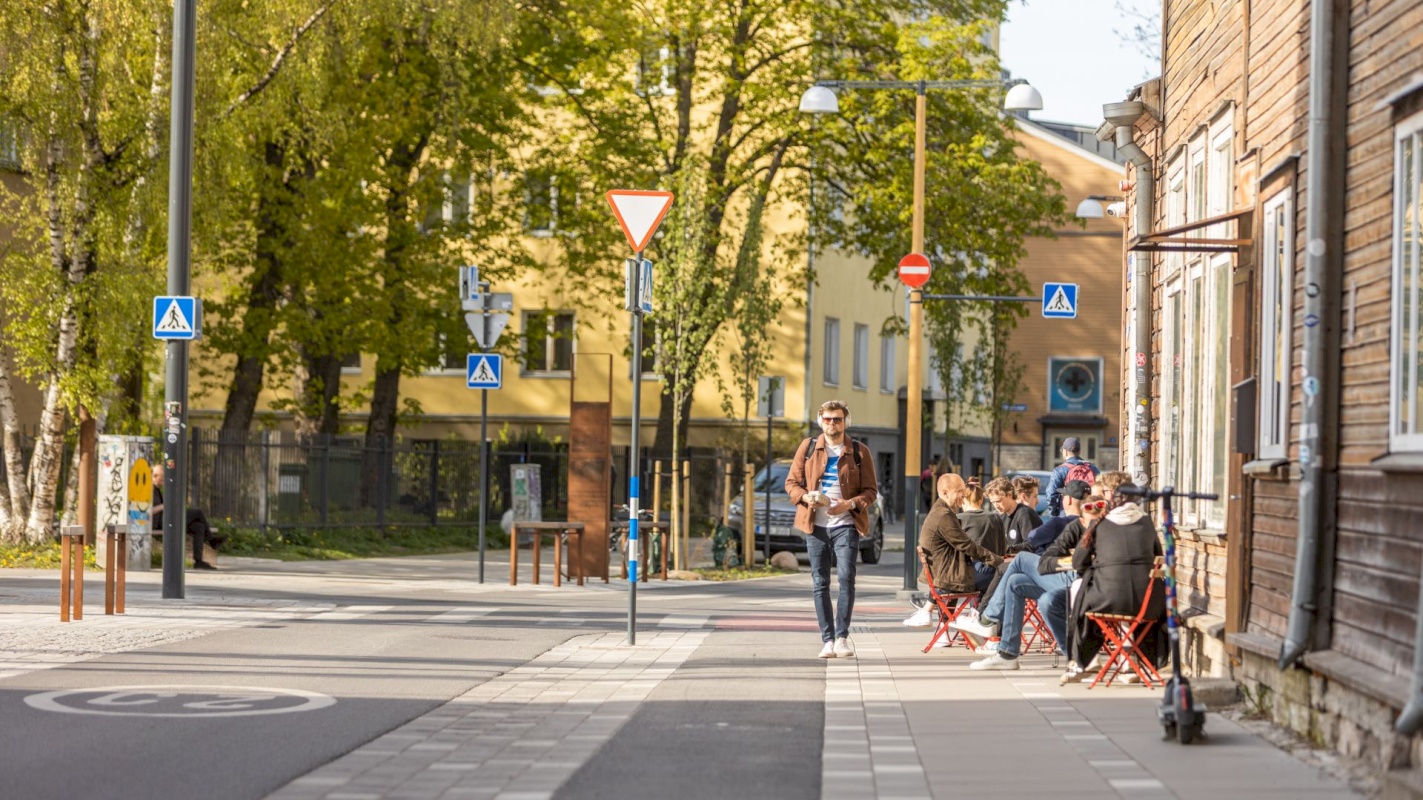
x=273 y=479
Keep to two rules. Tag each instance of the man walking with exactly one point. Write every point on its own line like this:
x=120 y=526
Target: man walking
x=832 y=484
x=1073 y=467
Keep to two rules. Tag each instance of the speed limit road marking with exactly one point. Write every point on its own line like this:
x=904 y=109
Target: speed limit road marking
x=179 y=701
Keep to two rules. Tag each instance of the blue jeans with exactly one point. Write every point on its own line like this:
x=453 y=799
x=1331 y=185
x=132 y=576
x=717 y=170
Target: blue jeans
x=1022 y=581
x=1053 y=606
x=844 y=541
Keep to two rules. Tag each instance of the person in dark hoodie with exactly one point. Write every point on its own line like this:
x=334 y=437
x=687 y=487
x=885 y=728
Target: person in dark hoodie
x=1115 y=558
x=1018 y=520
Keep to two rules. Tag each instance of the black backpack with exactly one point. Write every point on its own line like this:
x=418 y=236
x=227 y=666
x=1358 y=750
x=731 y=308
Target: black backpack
x=809 y=451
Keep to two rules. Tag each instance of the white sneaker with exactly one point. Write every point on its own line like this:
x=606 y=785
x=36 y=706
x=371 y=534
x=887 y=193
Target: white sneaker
x=941 y=642
x=995 y=661
x=843 y=648
x=988 y=647
x=828 y=651
x=1074 y=674
x=921 y=618
x=973 y=625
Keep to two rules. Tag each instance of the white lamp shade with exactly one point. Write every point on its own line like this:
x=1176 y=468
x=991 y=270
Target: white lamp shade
x=1020 y=98
x=821 y=100
x=1089 y=209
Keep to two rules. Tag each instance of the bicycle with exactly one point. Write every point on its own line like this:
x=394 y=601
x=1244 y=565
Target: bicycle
x=1181 y=717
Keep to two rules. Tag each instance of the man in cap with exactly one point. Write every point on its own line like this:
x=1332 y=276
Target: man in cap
x=1073 y=467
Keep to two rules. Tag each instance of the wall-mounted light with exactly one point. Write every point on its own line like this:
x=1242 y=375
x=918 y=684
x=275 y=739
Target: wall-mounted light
x=1091 y=207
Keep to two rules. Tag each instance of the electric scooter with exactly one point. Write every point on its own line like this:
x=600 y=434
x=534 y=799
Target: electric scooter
x=1181 y=717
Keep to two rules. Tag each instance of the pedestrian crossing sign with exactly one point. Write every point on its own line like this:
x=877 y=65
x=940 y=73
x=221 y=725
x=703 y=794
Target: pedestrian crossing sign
x=177 y=318
x=484 y=371
x=1060 y=300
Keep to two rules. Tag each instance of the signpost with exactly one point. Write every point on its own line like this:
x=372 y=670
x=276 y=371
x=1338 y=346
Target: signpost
x=772 y=404
x=486 y=315
x=639 y=213
x=1060 y=300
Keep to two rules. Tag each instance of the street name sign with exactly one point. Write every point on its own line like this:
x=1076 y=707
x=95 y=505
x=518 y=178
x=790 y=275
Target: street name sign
x=484 y=371
x=1060 y=300
x=914 y=270
x=639 y=214
x=177 y=318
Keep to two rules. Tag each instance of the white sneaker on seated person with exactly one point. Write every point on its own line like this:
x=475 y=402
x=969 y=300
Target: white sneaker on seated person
x=921 y=618
x=973 y=625
x=995 y=661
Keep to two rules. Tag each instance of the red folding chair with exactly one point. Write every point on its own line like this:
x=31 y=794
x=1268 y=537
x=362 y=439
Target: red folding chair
x=1122 y=635
x=950 y=606
x=1035 y=629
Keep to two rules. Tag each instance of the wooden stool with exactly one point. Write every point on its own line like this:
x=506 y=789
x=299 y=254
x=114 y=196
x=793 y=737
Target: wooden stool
x=71 y=557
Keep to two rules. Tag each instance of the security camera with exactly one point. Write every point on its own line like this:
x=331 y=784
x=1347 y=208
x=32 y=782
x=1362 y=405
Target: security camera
x=1118 y=209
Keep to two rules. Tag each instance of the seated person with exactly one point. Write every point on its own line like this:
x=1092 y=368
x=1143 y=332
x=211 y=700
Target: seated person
x=1115 y=558
x=1023 y=579
x=1026 y=487
x=946 y=548
x=197 y=523
x=985 y=528
x=1018 y=519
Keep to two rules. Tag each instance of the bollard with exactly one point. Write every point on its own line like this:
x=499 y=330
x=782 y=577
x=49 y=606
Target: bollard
x=115 y=568
x=71 y=587
x=748 y=515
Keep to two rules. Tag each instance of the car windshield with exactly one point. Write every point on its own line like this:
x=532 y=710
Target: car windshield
x=778 y=479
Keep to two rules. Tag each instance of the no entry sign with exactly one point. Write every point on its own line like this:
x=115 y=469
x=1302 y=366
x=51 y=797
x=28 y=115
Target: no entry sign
x=914 y=270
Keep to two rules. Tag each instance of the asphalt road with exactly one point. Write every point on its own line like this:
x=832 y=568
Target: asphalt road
x=237 y=713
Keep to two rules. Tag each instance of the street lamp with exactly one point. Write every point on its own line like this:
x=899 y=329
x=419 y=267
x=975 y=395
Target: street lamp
x=821 y=99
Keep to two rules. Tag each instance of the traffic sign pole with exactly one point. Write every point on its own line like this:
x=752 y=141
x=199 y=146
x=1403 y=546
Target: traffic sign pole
x=483 y=474
x=639 y=213
x=180 y=227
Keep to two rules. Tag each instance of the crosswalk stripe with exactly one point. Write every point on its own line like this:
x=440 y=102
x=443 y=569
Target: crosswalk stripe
x=350 y=612
x=460 y=615
x=683 y=621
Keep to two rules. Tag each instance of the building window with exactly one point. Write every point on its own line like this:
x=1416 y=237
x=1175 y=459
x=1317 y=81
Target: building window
x=1172 y=364
x=351 y=364
x=832 y=351
x=1406 y=421
x=886 y=364
x=454 y=354
x=1276 y=296
x=9 y=147
x=548 y=342
x=654 y=73
x=651 y=350
x=860 y=377
x=540 y=203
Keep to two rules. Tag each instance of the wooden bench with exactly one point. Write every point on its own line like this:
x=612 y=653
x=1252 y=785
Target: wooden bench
x=562 y=532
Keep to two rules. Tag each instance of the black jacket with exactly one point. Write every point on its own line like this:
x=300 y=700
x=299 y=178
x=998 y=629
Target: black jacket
x=1115 y=563
x=986 y=529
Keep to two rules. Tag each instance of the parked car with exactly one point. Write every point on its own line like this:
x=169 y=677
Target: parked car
x=1043 y=477
x=782 y=533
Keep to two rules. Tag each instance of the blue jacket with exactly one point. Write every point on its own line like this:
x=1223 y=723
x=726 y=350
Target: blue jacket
x=1044 y=535
x=1058 y=480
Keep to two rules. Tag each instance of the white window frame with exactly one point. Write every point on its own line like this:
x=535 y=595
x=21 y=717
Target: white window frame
x=860 y=368
x=1405 y=434
x=529 y=230
x=549 y=342
x=351 y=370
x=886 y=365
x=1168 y=455
x=664 y=86
x=443 y=368
x=830 y=369
x=1276 y=320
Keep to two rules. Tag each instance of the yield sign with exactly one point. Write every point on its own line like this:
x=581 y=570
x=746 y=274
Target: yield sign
x=639 y=213
x=914 y=270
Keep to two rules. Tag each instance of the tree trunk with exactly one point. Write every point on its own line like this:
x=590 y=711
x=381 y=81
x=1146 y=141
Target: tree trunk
x=380 y=431
x=17 y=491
x=667 y=411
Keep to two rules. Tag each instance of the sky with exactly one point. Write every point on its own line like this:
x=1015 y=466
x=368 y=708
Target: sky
x=1076 y=53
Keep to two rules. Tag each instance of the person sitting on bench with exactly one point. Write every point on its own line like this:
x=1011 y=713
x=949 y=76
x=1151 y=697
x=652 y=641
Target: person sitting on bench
x=197 y=523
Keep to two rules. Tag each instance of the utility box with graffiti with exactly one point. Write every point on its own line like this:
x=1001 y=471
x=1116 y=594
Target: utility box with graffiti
x=526 y=486
x=126 y=495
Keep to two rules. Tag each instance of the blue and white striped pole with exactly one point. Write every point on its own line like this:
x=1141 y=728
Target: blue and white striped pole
x=635 y=460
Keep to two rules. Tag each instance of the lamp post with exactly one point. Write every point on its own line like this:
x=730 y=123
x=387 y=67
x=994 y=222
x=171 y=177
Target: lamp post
x=821 y=99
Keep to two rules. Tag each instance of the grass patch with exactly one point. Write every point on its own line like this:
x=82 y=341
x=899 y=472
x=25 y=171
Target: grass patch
x=335 y=544
x=741 y=573
x=39 y=556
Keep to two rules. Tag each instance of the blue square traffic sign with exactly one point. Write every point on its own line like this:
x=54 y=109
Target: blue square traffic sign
x=484 y=371
x=177 y=318
x=1060 y=300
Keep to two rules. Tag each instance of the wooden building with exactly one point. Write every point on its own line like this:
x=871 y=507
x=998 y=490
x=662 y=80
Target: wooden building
x=1280 y=350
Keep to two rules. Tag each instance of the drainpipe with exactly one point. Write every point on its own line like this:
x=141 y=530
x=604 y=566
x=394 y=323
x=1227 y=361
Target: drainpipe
x=1321 y=339
x=1123 y=117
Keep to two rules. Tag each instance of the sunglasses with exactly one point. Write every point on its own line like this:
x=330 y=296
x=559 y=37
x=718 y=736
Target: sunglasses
x=832 y=420
x=1094 y=505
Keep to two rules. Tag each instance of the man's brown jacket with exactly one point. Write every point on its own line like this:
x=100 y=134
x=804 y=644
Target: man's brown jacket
x=950 y=551
x=857 y=481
